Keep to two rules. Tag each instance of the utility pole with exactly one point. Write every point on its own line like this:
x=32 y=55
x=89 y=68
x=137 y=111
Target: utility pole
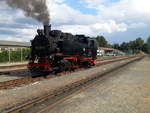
x=9 y=54
x=21 y=54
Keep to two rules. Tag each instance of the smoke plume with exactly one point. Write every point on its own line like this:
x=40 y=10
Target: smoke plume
x=36 y=9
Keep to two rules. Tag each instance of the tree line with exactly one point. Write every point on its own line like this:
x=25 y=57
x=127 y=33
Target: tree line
x=131 y=47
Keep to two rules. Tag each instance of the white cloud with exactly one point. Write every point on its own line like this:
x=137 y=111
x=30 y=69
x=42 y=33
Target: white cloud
x=25 y=34
x=110 y=26
x=122 y=10
x=141 y=6
x=71 y=20
x=24 y=31
x=137 y=25
x=10 y=38
x=95 y=29
x=55 y=1
x=7 y=15
x=113 y=17
x=63 y=14
x=93 y=3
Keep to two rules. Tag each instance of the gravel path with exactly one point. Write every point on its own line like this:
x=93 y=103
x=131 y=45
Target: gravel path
x=125 y=91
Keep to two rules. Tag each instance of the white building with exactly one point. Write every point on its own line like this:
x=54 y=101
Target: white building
x=101 y=51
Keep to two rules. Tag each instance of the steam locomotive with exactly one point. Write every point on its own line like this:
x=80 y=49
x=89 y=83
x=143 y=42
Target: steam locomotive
x=55 y=51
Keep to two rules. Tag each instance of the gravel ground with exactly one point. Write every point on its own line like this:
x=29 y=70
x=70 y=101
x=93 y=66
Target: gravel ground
x=14 y=76
x=19 y=94
x=125 y=91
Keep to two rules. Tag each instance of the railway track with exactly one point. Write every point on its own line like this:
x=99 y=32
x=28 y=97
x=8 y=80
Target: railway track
x=9 y=69
x=109 y=58
x=29 y=79
x=13 y=66
x=13 y=69
x=59 y=94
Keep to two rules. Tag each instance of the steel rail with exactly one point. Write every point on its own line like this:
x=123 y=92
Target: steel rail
x=27 y=80
x=12 y=66
x=25 y=70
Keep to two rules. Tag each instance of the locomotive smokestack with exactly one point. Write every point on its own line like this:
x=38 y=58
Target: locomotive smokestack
x=47 y=29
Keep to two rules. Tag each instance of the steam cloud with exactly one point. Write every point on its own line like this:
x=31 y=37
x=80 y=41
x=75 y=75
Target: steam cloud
x=36 y=9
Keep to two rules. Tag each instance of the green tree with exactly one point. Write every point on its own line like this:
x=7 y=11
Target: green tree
x=116 y=46
x=148 y=40
x=145 y=48
x=4 y=56
x=124 y=47
x=148 y=45
x=101 y=41
x=136 y=45
x=139 y=42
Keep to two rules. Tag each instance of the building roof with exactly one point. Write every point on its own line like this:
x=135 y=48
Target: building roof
x=14 y=44
x=103 y=48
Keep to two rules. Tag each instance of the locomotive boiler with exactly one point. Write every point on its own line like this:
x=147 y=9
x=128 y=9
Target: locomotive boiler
x=56 y=51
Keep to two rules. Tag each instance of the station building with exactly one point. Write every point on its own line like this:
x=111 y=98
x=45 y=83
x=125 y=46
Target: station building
x=102 y=51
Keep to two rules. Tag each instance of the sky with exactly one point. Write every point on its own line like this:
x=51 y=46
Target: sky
x=117 y=20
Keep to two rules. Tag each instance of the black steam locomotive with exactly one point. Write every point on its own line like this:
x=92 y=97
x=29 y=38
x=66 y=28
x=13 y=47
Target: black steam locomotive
x=55 y=51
